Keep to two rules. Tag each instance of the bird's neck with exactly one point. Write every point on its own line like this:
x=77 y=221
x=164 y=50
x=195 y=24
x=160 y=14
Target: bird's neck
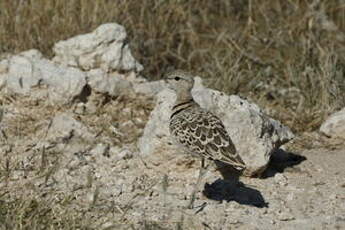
x=184 y=100
x=183 y=97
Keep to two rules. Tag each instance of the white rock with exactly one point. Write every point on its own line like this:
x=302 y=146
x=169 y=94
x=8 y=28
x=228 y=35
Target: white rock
x=285 y=215
x=64 y=126
x=112 y=84
x=71 y=138
x=104 y=48
x=125 y=154
x=80 y=108
x=254 y=134
x=32 y=54
x=149 y=88
x=30 y=70
x=334 y=126
x=100 y=150
x=280 y=179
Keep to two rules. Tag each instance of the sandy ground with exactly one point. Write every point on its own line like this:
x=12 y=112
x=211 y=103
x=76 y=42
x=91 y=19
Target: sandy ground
x=111 y=187
x=305 y=191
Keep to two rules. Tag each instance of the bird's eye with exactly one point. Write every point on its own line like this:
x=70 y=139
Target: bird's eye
x=177 y=78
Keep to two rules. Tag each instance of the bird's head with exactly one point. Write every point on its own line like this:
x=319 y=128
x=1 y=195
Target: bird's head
x=180 y=81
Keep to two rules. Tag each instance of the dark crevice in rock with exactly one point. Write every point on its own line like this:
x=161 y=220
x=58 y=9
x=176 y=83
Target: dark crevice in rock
x=85 y=93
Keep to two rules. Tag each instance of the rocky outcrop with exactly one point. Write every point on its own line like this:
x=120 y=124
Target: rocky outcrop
x=106 y=48
x=99 y=62
x=29 y=72
x=149 y=88
x=255 y=135
x=111 y=84
x=334 y=126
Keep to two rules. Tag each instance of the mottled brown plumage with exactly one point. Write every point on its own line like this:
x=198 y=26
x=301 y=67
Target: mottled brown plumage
x=198 y=130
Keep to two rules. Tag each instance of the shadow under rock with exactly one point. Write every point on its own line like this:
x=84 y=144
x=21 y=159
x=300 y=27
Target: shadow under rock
x=281 y=160
x=230 y=189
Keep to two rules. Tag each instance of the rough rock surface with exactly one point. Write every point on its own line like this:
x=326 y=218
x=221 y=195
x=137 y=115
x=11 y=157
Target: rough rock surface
x=255 y=135
x=99 y=62
x=29 y=71
x=334 y=126
x=112 y=84
x=149 y=88
x=104 y=48
x=63 y=127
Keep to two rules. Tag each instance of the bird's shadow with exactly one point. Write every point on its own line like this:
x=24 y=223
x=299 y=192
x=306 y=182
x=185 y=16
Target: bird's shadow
x=280 y=161
x=230 y=189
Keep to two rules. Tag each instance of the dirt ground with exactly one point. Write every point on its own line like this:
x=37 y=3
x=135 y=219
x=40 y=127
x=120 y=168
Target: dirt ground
x=72 y=181
x=305 y=191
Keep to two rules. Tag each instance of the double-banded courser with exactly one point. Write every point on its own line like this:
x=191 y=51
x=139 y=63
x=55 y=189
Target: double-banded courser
x=199 y=131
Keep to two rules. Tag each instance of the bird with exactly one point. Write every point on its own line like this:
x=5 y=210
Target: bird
x=197 y=130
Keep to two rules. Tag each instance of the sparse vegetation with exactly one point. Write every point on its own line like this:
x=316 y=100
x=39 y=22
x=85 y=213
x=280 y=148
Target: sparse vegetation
x=287 y=56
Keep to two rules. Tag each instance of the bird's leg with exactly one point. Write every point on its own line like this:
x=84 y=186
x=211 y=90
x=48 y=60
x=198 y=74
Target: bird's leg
x=201 y=174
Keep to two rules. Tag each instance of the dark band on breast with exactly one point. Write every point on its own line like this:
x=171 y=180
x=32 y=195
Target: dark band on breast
x=183 y=103
x=178 y=111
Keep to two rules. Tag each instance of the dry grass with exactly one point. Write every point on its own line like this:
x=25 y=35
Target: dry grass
x=286 y=55
x=36 y=214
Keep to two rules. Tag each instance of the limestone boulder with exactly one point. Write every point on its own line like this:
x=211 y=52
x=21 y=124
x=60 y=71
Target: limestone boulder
x=106 y=48
x=255 y=135
x=334 y=126
x=64 y=127
x=112 y=84
x=149 y=88
x=29 y=71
